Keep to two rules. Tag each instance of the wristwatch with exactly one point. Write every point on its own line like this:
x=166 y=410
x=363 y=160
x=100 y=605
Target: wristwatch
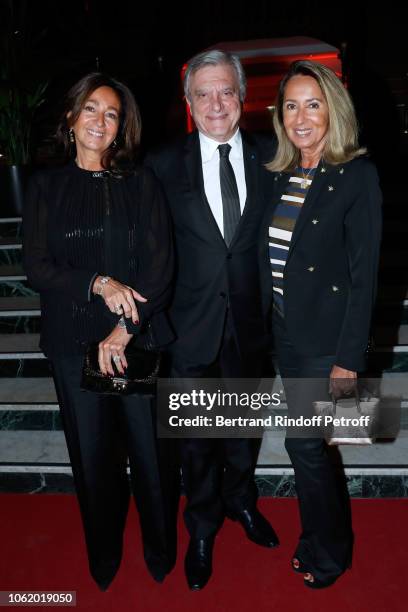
x=122 y=323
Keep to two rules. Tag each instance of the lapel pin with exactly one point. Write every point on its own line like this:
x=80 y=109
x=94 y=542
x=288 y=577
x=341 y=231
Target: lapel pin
x=331 y=188
x=341 y=170
x=314 y=221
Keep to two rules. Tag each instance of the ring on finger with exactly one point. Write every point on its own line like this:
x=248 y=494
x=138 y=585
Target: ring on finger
x=116 y=358
x=119 y=310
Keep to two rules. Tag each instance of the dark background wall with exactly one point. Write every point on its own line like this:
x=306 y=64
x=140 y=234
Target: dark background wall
x=145 y=44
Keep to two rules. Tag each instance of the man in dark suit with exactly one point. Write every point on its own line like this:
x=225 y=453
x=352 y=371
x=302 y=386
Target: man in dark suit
x=213 y=182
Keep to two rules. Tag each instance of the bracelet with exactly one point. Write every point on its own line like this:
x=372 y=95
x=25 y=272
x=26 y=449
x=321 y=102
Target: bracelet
x=101 y=284
x=122 y=323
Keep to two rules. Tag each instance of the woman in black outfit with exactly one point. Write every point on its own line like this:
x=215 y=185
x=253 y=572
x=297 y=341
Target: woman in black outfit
x=97 y=247
x=319 y=258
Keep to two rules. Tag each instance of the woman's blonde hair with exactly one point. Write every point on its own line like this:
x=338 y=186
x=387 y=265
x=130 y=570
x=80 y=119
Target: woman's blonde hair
x=342 y=135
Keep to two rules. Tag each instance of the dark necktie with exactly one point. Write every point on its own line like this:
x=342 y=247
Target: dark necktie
x=229 y=194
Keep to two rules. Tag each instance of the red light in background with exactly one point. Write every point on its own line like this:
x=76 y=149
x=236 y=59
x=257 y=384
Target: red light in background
x=264 y=73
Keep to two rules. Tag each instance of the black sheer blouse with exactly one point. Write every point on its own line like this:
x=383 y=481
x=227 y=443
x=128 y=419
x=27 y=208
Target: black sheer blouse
x=78 y=224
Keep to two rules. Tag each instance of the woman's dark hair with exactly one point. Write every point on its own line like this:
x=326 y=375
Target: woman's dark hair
x=121 y=156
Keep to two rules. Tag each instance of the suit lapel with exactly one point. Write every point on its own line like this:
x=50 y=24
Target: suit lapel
x=279 y=182
x=194 y=169
x=251 y=162
x=192 y=159
x=319 y=183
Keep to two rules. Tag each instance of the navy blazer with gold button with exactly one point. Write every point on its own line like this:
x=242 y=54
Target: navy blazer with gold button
x=330 y=276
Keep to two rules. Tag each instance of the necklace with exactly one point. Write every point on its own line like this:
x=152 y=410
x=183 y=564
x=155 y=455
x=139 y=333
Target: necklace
x=305 y=183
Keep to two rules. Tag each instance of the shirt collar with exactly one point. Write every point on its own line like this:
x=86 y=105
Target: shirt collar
x=209 y=146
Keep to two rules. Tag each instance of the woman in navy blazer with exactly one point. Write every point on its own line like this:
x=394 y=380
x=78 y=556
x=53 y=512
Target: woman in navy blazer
x=319 y=257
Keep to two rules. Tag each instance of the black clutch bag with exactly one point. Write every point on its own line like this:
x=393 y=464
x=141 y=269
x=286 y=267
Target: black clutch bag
x=140 y=376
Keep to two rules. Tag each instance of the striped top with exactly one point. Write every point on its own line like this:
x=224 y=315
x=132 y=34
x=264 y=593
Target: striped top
x=281 y=228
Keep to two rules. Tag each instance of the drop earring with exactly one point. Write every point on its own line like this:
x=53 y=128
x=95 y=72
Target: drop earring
x=71 y=136
x=114 y=144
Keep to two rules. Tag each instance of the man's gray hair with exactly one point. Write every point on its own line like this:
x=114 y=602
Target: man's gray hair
x=215 y=57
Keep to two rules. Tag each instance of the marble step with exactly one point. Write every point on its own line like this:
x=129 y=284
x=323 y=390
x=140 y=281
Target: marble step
x=388 y=362
x=27 y=394
x=37 y=460
x=274 y=482
x=33 y=447
x=20 y=306
x=12 y=273
x=20 y=346
x=24 y=368
x=393 y=453
x=4 y=220
x=41 y=448
x=8 y=244
x=10 y=228
x=46 y=417
x=403 y=348
x=32 y=393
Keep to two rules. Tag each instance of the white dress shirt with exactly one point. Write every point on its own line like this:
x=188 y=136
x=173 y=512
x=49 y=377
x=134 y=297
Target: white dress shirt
x=211 y=172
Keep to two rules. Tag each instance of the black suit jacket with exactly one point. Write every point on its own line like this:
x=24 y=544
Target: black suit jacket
x=209 y=275
x=330 y=276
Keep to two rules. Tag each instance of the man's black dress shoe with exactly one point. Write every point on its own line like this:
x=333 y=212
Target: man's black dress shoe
x=198 y=562
x=256 y=527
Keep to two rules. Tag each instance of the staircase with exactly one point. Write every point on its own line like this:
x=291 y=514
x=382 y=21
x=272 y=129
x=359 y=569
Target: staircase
x=32 y=445
x=33 y=454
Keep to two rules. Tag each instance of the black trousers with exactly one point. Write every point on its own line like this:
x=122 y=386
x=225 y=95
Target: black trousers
x=325 y=543
x=102 y=433
x=218 y=473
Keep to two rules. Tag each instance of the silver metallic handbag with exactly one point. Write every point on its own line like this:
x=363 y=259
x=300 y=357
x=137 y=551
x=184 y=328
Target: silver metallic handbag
x=348 y=421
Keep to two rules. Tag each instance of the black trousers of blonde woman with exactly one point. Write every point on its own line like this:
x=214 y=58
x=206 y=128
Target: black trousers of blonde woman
x=325 y=543
x=102 y=433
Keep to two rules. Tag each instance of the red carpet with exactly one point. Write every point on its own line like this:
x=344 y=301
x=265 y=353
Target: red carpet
x=42 y=549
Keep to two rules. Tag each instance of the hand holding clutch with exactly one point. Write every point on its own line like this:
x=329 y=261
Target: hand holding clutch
x=112 y=349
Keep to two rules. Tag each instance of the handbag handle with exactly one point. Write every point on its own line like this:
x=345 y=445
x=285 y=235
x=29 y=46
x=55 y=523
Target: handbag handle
x=356 y=394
